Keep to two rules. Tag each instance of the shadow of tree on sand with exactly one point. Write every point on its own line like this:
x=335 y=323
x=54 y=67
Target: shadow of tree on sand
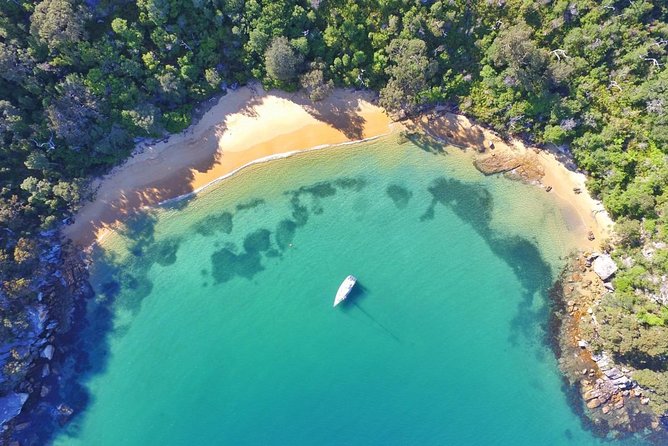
x=340 y=111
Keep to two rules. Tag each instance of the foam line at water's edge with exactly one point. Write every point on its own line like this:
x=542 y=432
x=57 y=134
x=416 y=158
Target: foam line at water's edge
x=262 y=160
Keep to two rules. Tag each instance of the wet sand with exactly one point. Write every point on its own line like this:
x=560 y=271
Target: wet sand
x=250 y=124
x=582 y=213
x=242 y=127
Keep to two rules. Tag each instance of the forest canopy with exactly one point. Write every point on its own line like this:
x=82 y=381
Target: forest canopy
x=82 y=81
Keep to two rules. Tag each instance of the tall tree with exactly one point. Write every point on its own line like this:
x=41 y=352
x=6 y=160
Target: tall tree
x=57 y=22
x=525 y=63
x=282 y=61
x=409 y=70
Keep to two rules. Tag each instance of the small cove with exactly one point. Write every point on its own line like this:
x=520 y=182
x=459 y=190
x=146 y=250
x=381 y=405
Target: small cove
x=223 y=332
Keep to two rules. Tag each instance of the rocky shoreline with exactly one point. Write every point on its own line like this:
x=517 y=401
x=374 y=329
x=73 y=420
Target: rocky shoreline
x=42 y=392
x=611 y=403
x=35 y=366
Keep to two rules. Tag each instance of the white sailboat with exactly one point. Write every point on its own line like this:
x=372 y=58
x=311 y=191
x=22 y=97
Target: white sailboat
x=344 y=289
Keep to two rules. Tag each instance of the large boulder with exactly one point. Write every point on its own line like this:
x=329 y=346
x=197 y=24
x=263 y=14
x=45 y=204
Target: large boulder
x=663 y=291
x=604 y=266
x=11 y=405
x=47 y=352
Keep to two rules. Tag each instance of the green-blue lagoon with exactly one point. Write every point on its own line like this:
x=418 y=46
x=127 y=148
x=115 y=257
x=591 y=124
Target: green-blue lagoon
x=213 y=321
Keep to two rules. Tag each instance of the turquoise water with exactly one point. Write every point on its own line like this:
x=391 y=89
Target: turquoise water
x=213 y=320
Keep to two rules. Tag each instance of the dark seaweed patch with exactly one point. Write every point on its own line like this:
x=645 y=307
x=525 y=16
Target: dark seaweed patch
x=319 y=190
x=110 y=289
x=299 y=212
x=136 y=289
x=250 y=204
x=474 y=204
x=316 y=192
x=226 y=265
x=215 y=223
x=257 y=241
x=272 y=253
x=285 y=233
x=140 y=230
x=164 y=252
x=354 y=184
x=399 y=195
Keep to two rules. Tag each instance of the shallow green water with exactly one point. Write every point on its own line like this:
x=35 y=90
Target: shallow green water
x=223 y=330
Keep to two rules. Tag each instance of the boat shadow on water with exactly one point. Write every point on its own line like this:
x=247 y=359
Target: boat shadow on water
x=353 y=302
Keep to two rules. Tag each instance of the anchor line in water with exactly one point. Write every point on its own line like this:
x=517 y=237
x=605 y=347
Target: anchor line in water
x=384 y=328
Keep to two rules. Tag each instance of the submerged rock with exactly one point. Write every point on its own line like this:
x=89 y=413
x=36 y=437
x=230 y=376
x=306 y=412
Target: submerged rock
x=47 y=352
x=604 y=266
x=11 y=405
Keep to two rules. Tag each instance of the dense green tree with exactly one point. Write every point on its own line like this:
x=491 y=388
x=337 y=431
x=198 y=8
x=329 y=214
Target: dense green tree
x=58 y=22
x=315 y=85
x=282 y=61
x=409 y=70
x=80 y=80
x=15 y=62
x=526 y=64
x=629 y=232
x=74 y=113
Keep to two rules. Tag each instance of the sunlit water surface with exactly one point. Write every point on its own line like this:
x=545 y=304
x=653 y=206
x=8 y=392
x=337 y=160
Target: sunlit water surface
x=224 y=331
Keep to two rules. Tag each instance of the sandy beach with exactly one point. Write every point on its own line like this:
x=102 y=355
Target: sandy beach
x=250 y=124
x=550 y=170
x=244 y=126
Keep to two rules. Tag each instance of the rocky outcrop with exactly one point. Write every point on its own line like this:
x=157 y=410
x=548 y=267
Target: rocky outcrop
x=604 y=266
x=11 y=405
x=47 y=352
x=615 y=405
x=662 y=296
x=520 y=166
x=612 y=374
x=497 y=163
x=27 y=361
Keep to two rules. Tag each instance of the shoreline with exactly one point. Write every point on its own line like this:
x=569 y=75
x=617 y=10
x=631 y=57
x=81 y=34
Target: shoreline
x=266 y=159
x=491 y=154
x=225 y=141
x=581 y=212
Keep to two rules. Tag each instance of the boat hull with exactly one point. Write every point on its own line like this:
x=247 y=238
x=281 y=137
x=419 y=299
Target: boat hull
x=344 y=289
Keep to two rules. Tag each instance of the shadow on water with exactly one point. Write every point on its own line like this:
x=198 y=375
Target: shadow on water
x=474 y=204
x=425 y=143
x=357 y=294
x=86 y=347
x=123 y=284
x=353 y=303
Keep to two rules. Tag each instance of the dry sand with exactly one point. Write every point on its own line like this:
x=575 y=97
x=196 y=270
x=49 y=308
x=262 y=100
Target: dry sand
x=582 y=213
x=244 y=126
x=250 y=125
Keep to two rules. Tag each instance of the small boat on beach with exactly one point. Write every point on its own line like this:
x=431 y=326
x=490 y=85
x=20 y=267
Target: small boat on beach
x=344 y=289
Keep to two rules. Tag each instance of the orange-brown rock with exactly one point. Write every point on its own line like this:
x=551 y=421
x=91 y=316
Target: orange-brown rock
x=524 y=167
x=593 y=404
